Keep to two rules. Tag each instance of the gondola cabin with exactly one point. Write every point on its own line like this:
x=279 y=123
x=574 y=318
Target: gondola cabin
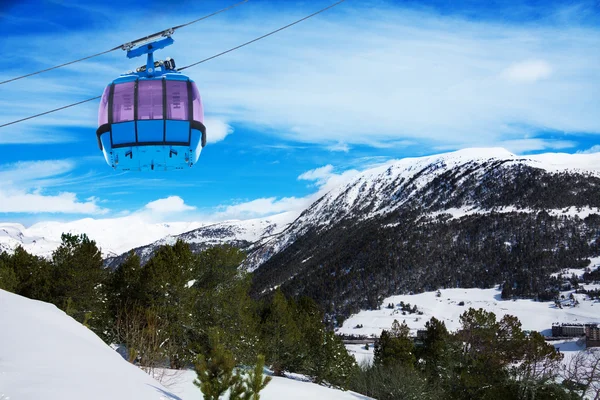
x=151 y=119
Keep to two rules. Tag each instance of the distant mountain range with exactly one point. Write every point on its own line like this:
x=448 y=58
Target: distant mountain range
x=471 y=218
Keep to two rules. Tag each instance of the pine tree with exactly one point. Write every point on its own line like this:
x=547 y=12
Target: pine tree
x=78 y=278
x=8 y=278
x=438 y=350
x=249 y=387
x=215 y=372
x=164 y=283
x=395 y=347
x=281 y=335
x=33 y=275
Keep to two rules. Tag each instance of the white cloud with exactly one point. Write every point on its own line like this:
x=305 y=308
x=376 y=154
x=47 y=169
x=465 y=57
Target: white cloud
x=593 y=149
x=528 y=71
x=317 y=174
x=409 y=75
x=343 y=147
x=325 y=180
x=216 y=130
x=517 y=146
x=171 y=204
x=26 y=172
x=525 y=145
x=25 y=187
x=261 y=207
x=67 y=203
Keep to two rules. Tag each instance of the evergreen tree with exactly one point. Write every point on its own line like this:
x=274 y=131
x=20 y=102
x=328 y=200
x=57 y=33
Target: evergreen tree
x=395 y=347
x=249 y=386
x=8 y=278
x=221 y=299
x=438 y=352
x=537 y=368
x=164 y=285
x=215 y=372
x=33 y=275
x=79 y=275
x=281 y=336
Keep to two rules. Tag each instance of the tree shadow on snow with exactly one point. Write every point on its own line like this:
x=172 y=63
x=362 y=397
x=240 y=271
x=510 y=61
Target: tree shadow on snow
x=169 y=396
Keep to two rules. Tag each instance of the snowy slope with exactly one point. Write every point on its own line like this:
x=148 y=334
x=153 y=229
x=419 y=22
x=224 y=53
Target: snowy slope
x=387 y=188
x=279 y=388
x=45 y=354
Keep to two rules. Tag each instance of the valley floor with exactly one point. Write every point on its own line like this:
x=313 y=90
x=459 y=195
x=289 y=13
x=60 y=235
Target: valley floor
x=446 y=307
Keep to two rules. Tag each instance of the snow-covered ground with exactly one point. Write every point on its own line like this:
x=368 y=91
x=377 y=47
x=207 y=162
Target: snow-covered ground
x=279 y=388
x=568 y=272
x=533 y=315
x=47 y=355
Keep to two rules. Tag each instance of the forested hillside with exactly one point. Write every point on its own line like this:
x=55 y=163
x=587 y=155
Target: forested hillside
x=447 y=222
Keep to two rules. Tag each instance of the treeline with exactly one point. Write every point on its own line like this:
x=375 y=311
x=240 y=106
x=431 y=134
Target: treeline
x=485 y=359
x=165 y=312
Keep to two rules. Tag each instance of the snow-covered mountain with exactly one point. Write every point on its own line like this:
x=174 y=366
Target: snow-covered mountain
x=237 y=233
x=112 y=235
x=382 y=190
x=471 y=218
x=116 y=236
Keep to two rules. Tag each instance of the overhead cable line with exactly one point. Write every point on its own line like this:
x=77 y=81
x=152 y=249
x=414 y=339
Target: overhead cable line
x=263 y=36
x=191 y=65
x=51 y=111
x=128 y=45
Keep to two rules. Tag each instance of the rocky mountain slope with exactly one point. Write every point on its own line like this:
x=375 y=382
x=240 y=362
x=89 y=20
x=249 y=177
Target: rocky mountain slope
x=472 y=218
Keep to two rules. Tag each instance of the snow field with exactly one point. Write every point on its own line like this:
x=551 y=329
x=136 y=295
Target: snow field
x=47 y=355
x=533 y=315
x=538 y=316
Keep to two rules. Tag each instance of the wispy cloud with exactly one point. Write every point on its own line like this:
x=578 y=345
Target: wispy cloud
x=517 y=146
x=593 y=149
x=323 y=178
x=343 y=147
x=24 y=184
x=528 y=71
x=404 y=75
x=216 y=130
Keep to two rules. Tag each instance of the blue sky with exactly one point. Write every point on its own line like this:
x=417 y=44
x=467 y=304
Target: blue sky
x=294 y=114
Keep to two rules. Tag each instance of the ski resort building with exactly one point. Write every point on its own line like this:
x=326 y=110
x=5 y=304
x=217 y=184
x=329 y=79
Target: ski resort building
x=592 y=335
x=568 y=330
